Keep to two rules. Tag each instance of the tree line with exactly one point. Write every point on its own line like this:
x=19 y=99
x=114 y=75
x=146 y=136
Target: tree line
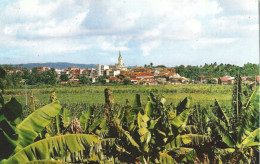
x=217 y=70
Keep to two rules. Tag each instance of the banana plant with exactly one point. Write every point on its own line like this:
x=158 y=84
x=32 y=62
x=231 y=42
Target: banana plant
x=65 y=148
x=27 y=131
x=148 y=134
x=240 y=136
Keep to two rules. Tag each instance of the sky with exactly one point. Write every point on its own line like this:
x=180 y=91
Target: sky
x=168 y=32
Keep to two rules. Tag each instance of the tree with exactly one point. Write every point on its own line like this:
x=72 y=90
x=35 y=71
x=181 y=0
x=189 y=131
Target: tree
x=151 y=64
x=102 y=79
x=84 y=79
x=127 y=81
x=64 y=77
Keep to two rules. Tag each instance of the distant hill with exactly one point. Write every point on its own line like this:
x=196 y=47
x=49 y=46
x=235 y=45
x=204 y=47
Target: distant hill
x=58 y=65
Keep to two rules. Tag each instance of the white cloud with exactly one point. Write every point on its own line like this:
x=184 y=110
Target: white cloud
x=148 y=46
x=194 y=26
x=211 y=42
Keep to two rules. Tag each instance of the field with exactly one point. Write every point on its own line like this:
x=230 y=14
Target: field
x=203 y=94
x=110 y=124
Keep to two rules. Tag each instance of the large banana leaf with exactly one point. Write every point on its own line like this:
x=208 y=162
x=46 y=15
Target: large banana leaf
x=188 y=139
x=250 y=139
x=84 y=118
x=181 y=119
x=221 y=113
x=137 y=105
x=66 y=117
x=250 y=98
x=32 y=125
x=8 y=137
x=46 y=162
x=182 y=106
x=8 y=145
x=125 y=133
x=55 y=147
x=148 y=108
x=12 y=111
x=222 y=130
x=166 y=158
x=95 y=124
x=145 y=135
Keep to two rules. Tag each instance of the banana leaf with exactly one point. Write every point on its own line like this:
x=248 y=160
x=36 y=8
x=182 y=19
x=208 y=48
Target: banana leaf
x=46 y=162
x=126 y=134
x=12 y=111
x=181 y=119
x=221 y=113
x=95 y=124
x=8 y=145
x=166 y=158
x=66 y=117
x=182 y=106
x=188 y=139
x=31 y=126
x=148 y=108
x=84 y=118
x=55 y=147
x=222 y=129
x=137 y=105
x=250 y=139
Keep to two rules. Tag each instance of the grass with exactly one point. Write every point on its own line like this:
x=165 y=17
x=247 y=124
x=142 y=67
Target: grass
x=203 y=94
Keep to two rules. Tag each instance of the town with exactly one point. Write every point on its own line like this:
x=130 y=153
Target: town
x=147 y=75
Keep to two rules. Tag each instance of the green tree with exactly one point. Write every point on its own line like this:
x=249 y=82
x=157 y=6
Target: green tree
x=84 y=79
x=127 y=81
x=102 y=79
x=64 y=77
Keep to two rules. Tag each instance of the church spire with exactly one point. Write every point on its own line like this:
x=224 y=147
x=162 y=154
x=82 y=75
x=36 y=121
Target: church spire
x=120 y=56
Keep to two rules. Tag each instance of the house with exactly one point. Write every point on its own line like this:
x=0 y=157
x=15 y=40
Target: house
x=161 y=80
x=224 y=80
x=42 y=69
x=142 y=75
x=139 y=69
x=203 y=79
x=231 y=80
x=73 y=68
x=113 y=79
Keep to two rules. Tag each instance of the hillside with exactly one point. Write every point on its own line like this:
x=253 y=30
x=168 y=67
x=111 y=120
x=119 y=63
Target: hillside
x=58 y=65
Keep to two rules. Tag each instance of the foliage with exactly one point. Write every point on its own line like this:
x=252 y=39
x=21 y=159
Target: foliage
x=217 y=70
x=84 y=79
x=127 y=81
x=64 y=77
x=151 y=131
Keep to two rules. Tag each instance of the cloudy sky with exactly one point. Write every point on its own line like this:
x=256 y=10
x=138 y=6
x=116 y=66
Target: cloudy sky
x=169 y=32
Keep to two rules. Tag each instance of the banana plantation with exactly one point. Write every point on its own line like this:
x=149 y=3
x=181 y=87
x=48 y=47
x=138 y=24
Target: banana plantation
x=134 y=132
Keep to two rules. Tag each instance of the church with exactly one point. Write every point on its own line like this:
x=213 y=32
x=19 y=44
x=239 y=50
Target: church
x=120 y=65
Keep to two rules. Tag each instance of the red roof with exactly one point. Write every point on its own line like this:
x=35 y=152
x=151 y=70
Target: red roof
x=113 y=78
x=141 y=74
x=165 y=70
x=224 y=79
x=135 y=78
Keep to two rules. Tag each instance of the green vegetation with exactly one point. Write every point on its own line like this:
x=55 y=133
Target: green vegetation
x=136 y=131
x=203 y=94
x=216 y=70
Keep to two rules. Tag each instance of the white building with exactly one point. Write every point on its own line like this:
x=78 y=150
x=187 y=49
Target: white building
x=101 y=69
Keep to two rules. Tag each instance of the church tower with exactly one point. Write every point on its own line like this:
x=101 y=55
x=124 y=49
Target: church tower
x=120 y=65
x=120 y=60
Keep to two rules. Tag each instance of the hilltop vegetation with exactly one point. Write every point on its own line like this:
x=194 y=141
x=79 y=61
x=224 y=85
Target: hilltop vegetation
x=217 y=70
